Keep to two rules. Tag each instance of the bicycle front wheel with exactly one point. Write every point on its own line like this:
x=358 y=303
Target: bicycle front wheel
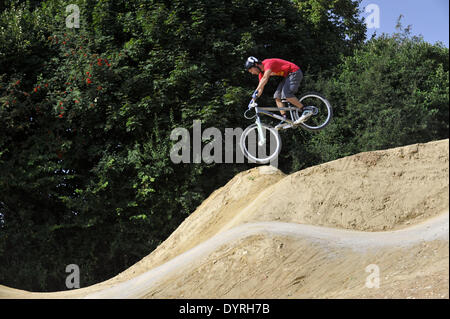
x=260 y=146
x=322 y=111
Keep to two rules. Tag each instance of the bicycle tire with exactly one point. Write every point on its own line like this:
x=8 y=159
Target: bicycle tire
x=254 y=158
x=322 y=123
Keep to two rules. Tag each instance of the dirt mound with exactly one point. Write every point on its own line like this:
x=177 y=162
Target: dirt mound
x=287 y=260
x=370 y=191
x=376 y=193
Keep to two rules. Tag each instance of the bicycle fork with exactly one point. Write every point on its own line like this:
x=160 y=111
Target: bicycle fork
x=262 y=139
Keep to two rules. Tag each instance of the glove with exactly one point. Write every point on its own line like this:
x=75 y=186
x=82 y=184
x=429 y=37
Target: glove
x=255 y=95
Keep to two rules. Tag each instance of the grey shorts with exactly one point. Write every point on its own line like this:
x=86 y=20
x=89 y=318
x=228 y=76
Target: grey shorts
x=289 y=85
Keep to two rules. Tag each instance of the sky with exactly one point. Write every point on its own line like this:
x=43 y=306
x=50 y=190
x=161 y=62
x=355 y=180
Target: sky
x=428 y=18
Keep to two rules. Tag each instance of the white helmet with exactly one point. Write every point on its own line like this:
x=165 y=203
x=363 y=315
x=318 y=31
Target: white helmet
x=251 y=62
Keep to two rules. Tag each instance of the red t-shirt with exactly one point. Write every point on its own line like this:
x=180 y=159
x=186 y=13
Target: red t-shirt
x=279 y=67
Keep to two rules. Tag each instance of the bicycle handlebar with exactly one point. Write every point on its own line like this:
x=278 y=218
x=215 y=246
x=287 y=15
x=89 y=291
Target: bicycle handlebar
x=253 y=100
x=252 y=104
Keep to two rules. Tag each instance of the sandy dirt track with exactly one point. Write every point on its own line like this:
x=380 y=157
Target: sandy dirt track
x=321 y=238
x=317 y=233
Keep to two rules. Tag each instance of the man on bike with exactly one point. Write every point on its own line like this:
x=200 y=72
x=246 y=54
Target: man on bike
x=286 y=90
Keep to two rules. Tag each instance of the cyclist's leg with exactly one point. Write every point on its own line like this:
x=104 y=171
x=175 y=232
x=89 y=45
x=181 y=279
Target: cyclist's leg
x=290 y=88
x=280 y=104
x=277 y=96
x=289 y=91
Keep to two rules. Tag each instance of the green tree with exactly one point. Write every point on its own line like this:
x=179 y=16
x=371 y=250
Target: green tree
x=394 y=91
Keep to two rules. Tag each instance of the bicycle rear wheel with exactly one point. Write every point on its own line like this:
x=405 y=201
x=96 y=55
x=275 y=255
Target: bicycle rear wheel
x=258 y=152
x=322 y=111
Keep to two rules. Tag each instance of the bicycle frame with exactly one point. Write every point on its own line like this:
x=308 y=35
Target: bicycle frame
x=318 y=102
x=266 y=111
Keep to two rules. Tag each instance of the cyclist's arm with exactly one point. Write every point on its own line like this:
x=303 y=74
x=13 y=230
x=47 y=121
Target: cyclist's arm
x=263 y=81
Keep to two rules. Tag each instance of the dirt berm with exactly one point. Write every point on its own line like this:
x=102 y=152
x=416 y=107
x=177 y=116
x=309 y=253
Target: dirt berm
x=371 y=225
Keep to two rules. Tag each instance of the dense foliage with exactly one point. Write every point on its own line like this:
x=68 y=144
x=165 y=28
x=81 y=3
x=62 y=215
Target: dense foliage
x=393 y=91
x=86 y=115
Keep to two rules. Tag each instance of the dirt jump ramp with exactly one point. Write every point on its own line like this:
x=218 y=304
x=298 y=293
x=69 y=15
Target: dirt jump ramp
x=371 y=225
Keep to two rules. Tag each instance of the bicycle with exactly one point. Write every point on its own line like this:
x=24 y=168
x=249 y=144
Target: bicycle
x=322 y=113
